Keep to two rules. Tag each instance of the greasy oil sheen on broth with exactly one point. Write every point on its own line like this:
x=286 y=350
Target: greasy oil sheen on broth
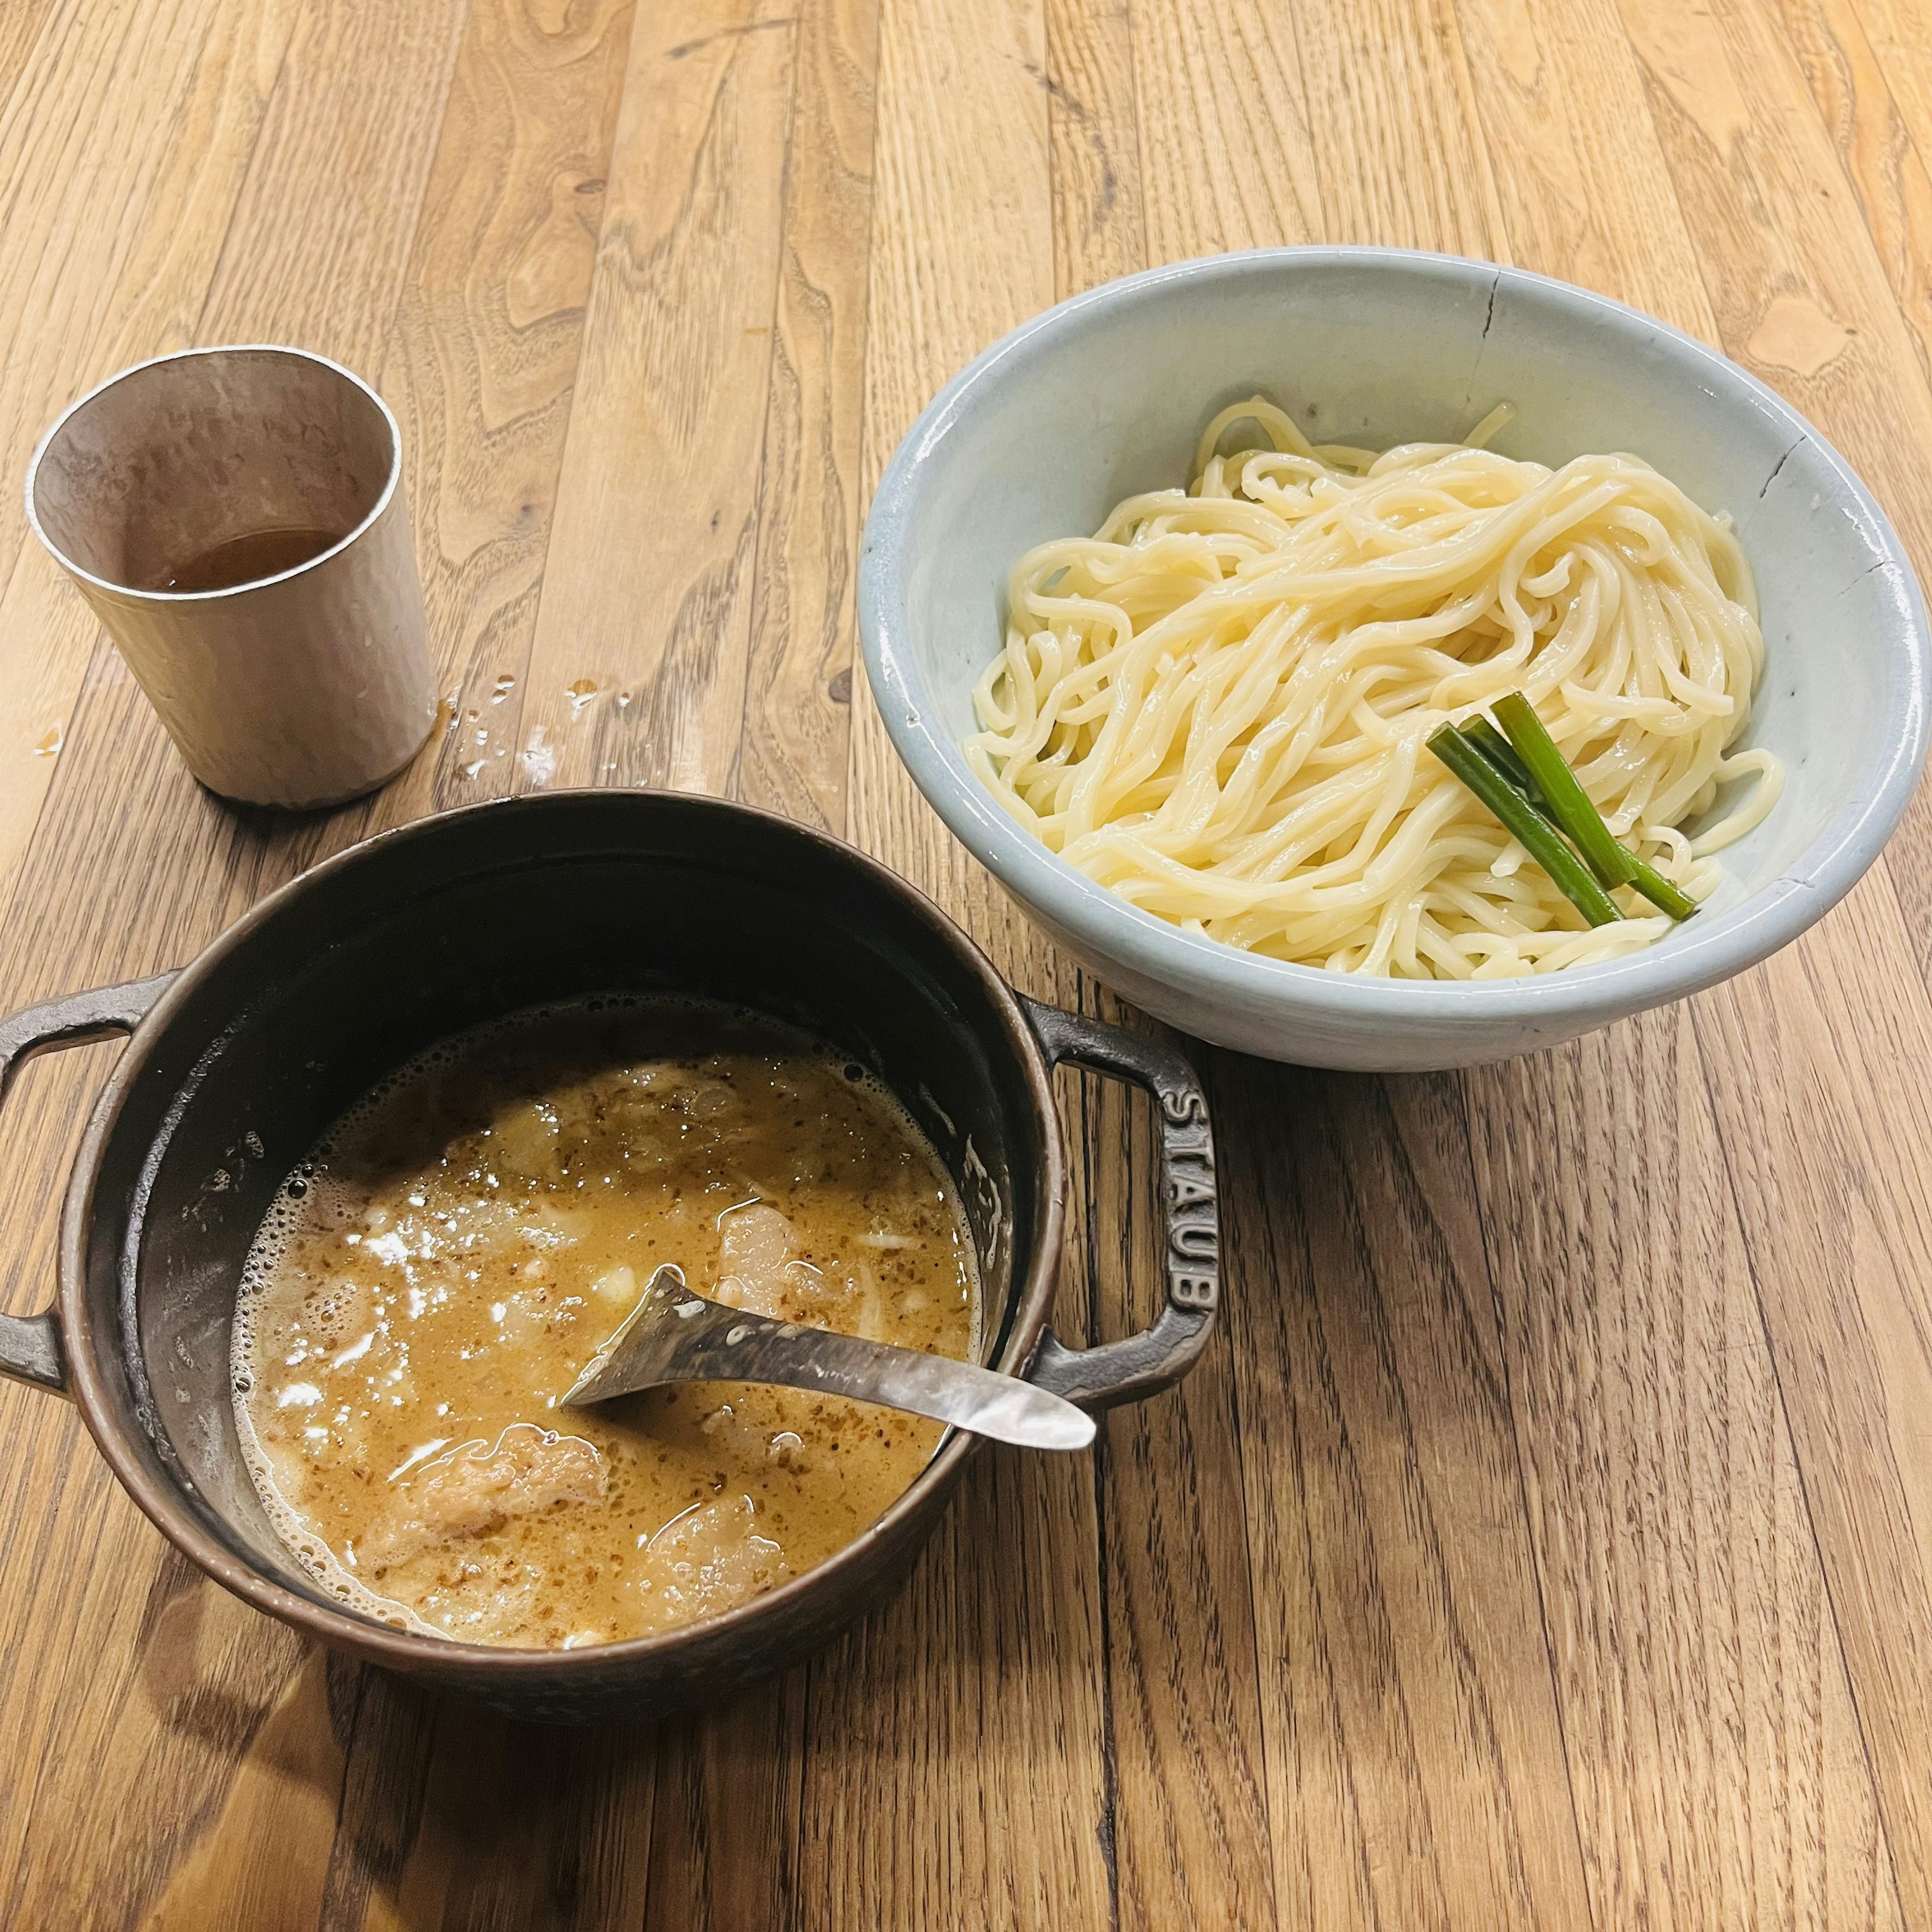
x=433 y=1279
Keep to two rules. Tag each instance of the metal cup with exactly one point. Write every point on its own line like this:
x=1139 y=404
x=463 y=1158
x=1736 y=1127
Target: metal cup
x=301 y=689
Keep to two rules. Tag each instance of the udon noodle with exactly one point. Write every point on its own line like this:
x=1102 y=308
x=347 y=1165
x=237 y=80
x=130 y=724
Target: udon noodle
x=1216 y=705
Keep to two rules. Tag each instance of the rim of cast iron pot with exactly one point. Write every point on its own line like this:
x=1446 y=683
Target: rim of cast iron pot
x=1030 y=1300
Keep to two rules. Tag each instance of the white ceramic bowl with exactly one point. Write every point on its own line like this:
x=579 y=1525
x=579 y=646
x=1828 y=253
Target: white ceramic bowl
x=1106 y=394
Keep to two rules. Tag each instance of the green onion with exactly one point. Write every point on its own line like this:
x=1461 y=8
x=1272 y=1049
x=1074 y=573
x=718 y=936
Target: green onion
x=1532 y=832
x=1500 y=753
x=1661 y=892
x=1563 y=798
x=1566 y=802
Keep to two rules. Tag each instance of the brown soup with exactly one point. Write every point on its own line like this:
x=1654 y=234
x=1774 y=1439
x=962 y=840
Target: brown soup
x=438 y=1273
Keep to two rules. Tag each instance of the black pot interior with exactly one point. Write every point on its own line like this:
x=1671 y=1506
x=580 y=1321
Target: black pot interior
x=463 y=919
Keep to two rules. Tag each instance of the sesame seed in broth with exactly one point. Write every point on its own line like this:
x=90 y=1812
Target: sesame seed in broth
x=436 y=1275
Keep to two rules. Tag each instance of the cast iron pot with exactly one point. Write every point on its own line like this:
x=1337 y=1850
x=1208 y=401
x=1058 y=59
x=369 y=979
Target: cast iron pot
x=238 y=1062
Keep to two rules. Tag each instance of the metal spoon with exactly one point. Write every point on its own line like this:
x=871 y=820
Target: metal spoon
x=675 y=1336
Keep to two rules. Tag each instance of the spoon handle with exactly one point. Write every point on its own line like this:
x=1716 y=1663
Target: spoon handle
x=675 y=1336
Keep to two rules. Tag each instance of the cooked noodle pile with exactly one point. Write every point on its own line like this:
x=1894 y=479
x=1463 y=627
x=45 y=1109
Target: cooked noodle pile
x=1216 y=705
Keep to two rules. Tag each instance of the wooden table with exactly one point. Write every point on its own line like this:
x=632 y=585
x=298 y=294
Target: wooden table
x=1546 y=1538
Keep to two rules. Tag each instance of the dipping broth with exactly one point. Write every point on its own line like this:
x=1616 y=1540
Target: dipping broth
x=435 y=1276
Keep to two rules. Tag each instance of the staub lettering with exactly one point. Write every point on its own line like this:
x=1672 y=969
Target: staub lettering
x=1193 y=1280
x=1192 y=1290
x=1198 y=1241
x=1193 y=1233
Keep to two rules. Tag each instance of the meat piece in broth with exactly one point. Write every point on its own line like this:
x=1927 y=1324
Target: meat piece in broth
x=475 y=1489
x=754 y=1252
x=764 y=1272
x=717 y=1558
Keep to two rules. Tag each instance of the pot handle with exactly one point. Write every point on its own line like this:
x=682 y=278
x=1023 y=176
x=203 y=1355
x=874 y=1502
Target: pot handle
x=1157 y=1357
x=30 y=1345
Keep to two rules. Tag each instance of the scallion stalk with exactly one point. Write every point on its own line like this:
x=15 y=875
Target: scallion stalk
x=1500 y=753
x=1564 y=801
x=1564 y=797
x=1661 y=892
x=1531 y=830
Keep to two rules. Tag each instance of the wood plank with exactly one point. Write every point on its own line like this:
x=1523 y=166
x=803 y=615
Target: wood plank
x=105 y=891
x=1415 y=1764
x=637 y=673
x=798 y=686
x=1899 y=33
x=1798 y=291
x=1661 y=1474
x=519 y=1826
x=481 y=362
x=284 y=1795
x=1400 y=160
x=1584 y=193
x=199 y=1702
x=1100 y=229
x=1829 y=1155
x=1192 y=1824
x=358 y=101
x=1189 y=1826
x=1878 y=115
x=1721 y=1776
x=1798 y=288
x=123 y=148
x=391 y=1727
x=20 y=28
x=971 y=1713
x=726 y=1846
x=1222 y=105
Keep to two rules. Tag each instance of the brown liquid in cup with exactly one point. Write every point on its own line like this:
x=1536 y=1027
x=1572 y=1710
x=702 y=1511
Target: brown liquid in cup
x=247 y=559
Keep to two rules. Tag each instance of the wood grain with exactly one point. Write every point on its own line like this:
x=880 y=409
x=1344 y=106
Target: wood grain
x=1835 y=1195
x=1641 y=1528
x=1797 y=288
x=1201 y=73
x=1402 y=160
x=798 y=682
x=1182 y=1683
x=1877 y=113
x=1545 y=1538
x=1579 y=172
x=143 y=121
x=1719 y=1772
x=972 y=1710
x=1411 y=1731
x=481 y=360
x=637 y=673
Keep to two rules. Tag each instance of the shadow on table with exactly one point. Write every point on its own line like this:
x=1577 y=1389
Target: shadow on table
x=342 y=1797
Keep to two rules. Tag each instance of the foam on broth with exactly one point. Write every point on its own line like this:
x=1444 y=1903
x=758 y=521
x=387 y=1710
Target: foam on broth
x=437 y=1273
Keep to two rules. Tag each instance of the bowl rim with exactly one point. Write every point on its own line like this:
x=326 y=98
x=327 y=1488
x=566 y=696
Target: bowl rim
x=1851 y=838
